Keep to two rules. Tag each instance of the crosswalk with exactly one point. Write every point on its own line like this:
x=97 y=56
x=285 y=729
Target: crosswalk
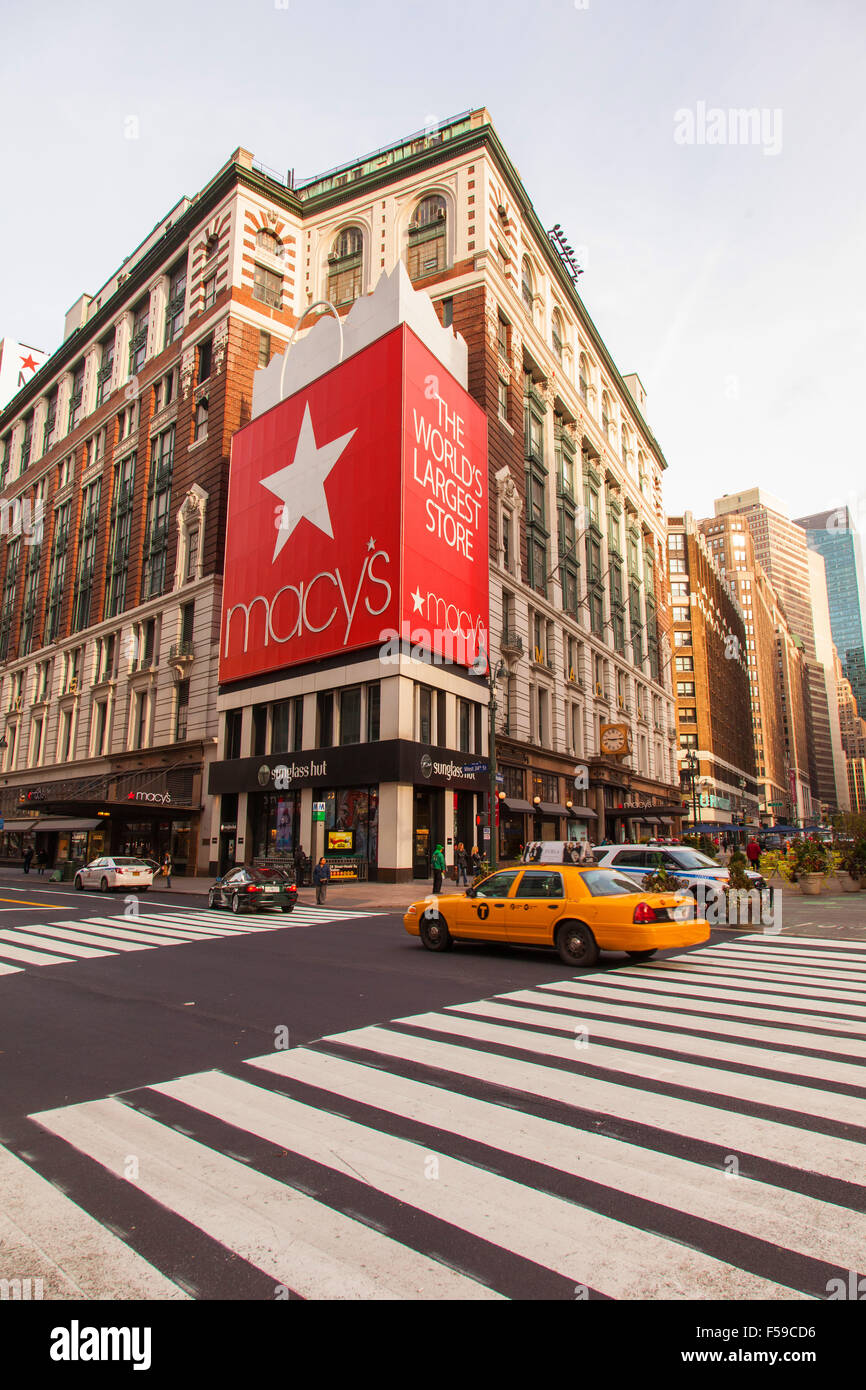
x=689 y=1128
x=86 y=938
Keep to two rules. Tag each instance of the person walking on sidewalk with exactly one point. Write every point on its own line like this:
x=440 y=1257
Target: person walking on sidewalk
x=753 y=850
x=166 y=869
x=461 y=862
x=438 y=868
x=321 y=878
x=28 y=859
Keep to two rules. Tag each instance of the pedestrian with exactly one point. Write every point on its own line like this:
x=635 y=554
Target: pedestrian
x=461 y=862
x=166 y=869
x=475 y=861
x=321 y=878
x=300 y=860
x=42 y=860
x=28 y=858
x=753 y=852
x=438 y=868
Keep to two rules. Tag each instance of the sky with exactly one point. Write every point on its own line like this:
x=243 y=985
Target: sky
x=730 y=276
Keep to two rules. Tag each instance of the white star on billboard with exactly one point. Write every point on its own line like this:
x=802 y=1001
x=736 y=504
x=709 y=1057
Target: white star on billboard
x=418 y=601
x=301 y=485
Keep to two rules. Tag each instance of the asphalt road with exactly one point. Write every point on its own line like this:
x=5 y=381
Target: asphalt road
x=72 y=1032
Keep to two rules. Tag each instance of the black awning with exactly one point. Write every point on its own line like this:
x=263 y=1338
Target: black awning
x=583 y=813
x=552 y=808
x=512 y=803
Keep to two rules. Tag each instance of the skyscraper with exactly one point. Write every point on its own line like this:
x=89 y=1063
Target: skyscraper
x=834 y=536
x=782 y=552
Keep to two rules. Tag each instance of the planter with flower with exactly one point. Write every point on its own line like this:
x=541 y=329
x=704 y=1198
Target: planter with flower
x=810 y=865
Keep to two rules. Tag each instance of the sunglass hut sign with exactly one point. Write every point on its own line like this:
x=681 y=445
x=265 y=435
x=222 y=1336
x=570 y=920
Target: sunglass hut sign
x=358 y=507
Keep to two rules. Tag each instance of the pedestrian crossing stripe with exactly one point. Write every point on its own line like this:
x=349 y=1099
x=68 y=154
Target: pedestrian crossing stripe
x=593 y=1134
x=87 y=938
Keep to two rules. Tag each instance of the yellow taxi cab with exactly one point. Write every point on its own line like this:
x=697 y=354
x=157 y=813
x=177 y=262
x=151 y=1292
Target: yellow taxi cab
x=580 y=911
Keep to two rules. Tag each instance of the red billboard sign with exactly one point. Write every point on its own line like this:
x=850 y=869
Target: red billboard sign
x=357 y=513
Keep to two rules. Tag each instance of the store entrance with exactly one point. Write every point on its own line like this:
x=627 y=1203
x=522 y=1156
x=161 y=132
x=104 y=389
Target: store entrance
x=426 y=831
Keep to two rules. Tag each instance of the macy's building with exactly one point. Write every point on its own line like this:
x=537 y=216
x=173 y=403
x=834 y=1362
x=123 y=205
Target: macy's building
x=356 y=599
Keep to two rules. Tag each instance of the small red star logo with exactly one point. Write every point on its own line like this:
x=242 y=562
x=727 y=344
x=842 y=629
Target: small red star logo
x=28 y=363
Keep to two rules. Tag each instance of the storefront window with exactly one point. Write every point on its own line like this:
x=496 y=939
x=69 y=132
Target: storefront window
x=276 y=823
x=355 y=809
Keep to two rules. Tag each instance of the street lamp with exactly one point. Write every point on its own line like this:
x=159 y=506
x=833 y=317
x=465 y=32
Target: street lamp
x=494 y=674
x=693 y=767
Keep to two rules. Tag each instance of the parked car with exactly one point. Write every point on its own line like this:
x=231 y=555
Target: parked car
x=254 y=890
x=696 y=871
x=579 y=911
x=111 y=872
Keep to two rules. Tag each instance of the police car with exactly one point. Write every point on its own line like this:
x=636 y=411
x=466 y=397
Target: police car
x=698 y=873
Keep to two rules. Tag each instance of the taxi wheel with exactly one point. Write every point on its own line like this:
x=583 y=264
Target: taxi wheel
x=103 y=885
x=78 y=884
x=640 y=955
x=576 y=944
x=434 y=933
x=211 y=899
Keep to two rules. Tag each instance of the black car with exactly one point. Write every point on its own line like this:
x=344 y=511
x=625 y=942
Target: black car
x=253 y=890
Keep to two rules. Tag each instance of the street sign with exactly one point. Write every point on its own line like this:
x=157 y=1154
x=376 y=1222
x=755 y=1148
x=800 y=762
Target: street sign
x=474 y=767
x=487 y=832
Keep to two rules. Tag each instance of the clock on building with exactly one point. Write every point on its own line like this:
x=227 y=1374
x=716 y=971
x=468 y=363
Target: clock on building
x=614 y=739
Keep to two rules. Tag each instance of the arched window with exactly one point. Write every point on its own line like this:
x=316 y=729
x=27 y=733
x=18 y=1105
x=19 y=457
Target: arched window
x=427 y=237
x=557 y=334
x=605 y=414
x=345 y=266
x=269 y=242
x=643 y=483
x=527 y=286
x=583 y=378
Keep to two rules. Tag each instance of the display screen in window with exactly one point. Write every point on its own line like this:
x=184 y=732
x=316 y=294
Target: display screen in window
x=341 y=841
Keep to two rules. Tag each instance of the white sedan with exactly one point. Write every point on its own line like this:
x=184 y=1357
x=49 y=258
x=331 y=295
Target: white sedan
x=117 y=871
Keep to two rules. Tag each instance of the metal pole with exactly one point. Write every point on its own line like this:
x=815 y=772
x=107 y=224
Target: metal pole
x=492 y=794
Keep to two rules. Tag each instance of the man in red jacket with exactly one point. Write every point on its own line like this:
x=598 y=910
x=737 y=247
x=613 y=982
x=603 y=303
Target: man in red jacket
x=753 y=851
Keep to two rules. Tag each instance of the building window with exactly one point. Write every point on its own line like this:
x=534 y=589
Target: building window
x=159 y=501
x=502 y=398
x=118 y=537
x=181 y=712
x=427 y=237
x=268 y=287
x=201 y=416
x=138 y=341
x=76 y=399
x=264 y=349
x=176 y=302
x=209 y=292
x=325 y=718
x=87 y=529
x=527 y=286
x=502 y=338
x=269 y=242
x=233 y=727
x=557 y=335
x=345 y=266
x=350 y=715
x=374 y=699
x=425 y=715
x=464 y=725
x=106 y=371
x=583 y=378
